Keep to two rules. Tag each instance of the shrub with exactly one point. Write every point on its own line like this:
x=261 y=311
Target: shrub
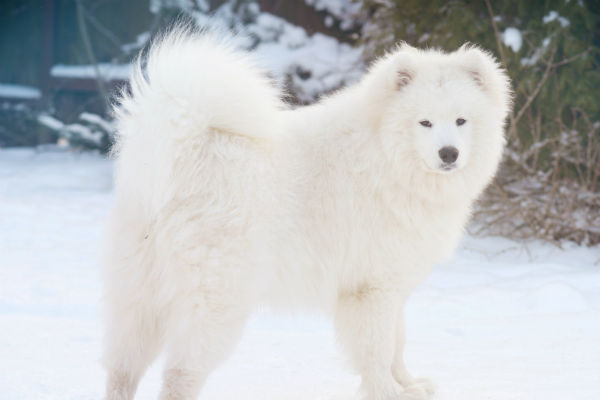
x=549 y=184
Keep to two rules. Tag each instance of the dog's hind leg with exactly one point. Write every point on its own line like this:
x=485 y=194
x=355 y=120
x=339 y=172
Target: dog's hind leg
x=209 y=324
x=133 y=342
x=134 y=327
x=212 y=274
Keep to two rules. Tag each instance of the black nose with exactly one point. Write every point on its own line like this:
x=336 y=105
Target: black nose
x=448 y=154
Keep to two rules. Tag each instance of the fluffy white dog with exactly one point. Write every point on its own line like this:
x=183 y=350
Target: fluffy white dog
x=226 y=200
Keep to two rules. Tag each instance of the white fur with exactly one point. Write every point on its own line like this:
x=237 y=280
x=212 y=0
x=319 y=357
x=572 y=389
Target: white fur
x=226 y=200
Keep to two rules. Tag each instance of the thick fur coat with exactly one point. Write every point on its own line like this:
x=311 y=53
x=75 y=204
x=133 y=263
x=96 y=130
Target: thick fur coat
x=227 y=199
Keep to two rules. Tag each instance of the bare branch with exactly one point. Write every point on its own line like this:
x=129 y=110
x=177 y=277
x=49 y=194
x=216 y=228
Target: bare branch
x=90 y=53
x=535 y=92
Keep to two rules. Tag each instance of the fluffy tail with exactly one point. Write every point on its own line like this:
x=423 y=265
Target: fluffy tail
x=193 y=76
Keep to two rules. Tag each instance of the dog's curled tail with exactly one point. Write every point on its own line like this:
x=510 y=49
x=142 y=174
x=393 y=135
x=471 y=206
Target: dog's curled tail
x=193 y=78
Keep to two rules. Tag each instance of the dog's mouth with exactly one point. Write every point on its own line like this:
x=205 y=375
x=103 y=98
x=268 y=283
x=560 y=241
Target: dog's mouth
x=442 y=169
x=447 y=167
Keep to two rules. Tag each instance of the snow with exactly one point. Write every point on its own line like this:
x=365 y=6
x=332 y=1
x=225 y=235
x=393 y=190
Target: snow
x=140 y=40
x=316 y=64
x=157 y=5
x=309 y=64
x=319 y=65
x=500 y=321
x=344 y=10
x=90 y=134
x=50 y=122
x=19 y=91
x=96 y=119
x=85 y=133
x=107 y=71
x=553 y=16
x=537 y=54
x=512 y=38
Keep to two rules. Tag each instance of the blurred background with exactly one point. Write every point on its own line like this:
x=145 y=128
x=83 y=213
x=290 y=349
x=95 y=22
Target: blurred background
x=64 y=60
x=515 y=315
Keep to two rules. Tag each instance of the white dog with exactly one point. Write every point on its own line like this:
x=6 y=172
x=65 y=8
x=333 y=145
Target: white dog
x=226 y=200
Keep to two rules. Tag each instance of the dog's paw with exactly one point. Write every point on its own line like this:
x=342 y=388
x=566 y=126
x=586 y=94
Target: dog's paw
x=420 y=389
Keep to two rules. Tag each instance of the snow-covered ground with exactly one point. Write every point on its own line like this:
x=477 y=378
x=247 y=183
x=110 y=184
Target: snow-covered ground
x=500 y=321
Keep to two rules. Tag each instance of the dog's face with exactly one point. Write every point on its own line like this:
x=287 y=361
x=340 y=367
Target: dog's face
x=442 y=129
x=446 y=110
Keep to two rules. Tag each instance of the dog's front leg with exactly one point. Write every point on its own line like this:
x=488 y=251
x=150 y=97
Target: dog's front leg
x=366 y=326
x=420 y=388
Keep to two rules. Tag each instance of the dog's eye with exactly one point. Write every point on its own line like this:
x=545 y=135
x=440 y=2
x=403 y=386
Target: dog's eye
x=426 y=123
x=460 y=121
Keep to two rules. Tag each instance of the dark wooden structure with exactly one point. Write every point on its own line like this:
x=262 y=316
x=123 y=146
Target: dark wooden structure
x=35 y=35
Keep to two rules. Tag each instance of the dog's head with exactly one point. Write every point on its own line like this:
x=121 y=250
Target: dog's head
x=443 y=111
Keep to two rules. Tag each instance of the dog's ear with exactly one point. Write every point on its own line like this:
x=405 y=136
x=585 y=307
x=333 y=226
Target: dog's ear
x=405 y=76
x=486 y=72
x=478 y=63
x=405 y=71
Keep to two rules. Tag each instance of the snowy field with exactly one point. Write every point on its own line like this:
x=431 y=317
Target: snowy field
x=500 y=321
